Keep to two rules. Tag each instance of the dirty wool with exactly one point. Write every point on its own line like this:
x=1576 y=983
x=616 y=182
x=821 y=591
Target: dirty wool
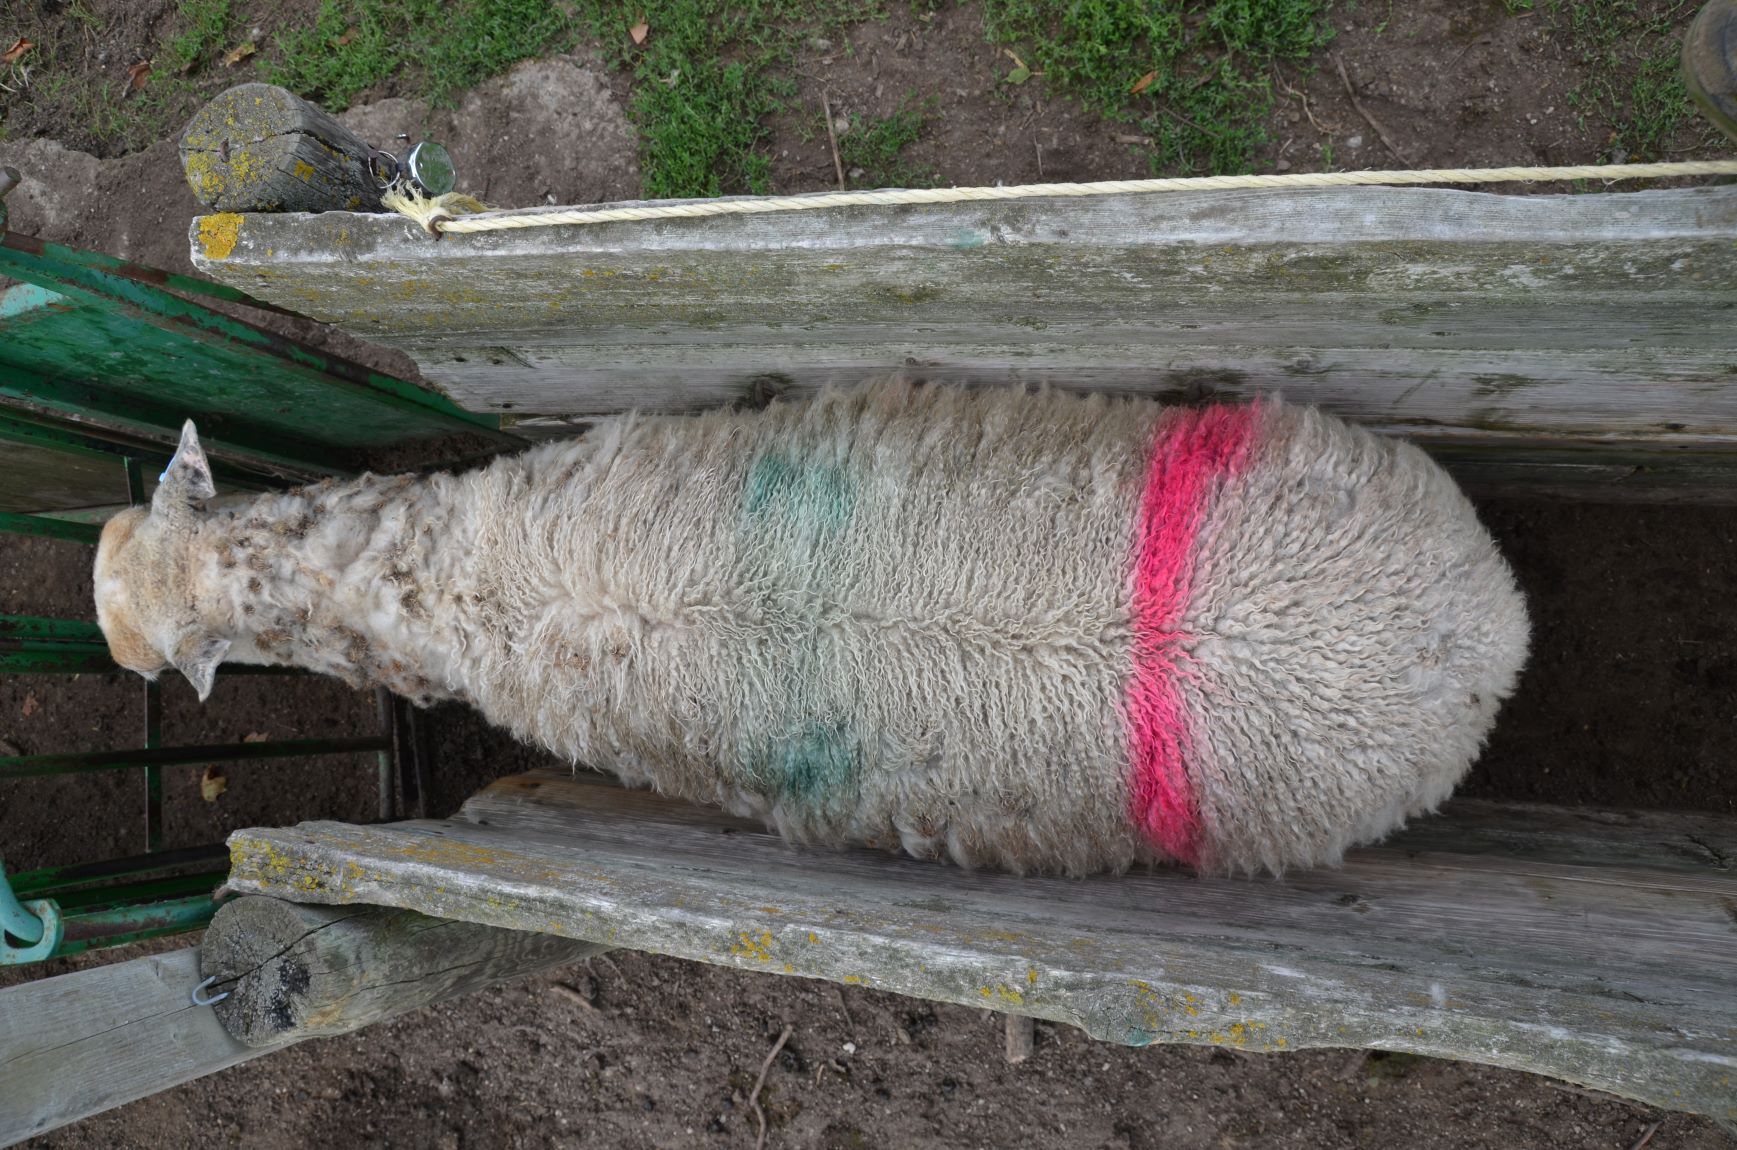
x=1032 y=630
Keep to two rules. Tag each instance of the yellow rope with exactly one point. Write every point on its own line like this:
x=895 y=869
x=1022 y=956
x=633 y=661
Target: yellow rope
x=432 y=213
x=460 y=214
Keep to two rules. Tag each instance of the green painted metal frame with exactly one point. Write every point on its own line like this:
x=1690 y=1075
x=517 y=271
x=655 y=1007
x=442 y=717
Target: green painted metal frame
x=256 y=409
x=119 y=420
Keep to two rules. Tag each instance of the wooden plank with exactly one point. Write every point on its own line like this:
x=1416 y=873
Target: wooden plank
x=78 y=1044
x=299 y=972
x=1593 y=947
x=1433 y=313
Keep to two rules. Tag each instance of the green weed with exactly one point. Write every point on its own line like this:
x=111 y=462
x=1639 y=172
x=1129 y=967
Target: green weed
x=439 y=49
x=706 y=79
x=1630 y=52
x=1196 y=76
x=207 y=23
x=874 y=147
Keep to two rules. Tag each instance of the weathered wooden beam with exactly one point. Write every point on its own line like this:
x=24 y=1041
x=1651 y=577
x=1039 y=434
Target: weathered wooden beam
x=1536 y=321
x=260 y=148
x=297 y=972
x=1592 y=946
x=81 y=1043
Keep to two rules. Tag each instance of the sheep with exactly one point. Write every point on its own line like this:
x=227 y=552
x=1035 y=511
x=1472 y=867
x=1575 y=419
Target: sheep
x=1034 y=630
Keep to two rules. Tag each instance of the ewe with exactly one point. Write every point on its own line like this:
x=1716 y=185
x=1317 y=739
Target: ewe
x=1030 y=630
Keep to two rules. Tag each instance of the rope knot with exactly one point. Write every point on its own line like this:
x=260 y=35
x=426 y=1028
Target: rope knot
x=430 y=211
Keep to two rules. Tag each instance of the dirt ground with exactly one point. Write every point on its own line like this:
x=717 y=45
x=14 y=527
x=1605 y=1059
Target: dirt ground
x=1628 y=699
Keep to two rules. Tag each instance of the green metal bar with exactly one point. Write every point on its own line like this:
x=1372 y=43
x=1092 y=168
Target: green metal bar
x=153 y=772
x=179 y=886
x=153 y=704
x=60 y=269
x=35 y=627
x=55 y=882
x=75 y=659
x=35 y=646
x=14 y=919
x=40 y=434
x=14 y=524
x=27 y=766
x=67 y=662
x=118 y=926
x=144 y=417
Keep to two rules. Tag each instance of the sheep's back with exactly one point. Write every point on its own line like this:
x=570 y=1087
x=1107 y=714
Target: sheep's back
x=1035 y=630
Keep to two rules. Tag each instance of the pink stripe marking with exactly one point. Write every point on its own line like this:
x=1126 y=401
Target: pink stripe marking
x=1194 y=452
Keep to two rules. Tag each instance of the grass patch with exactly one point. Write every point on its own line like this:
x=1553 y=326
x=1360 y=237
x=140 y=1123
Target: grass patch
x=875 y=148
x=439 y=49
x=706 y=79
x=1631 y=53
x=110 y=118
x=207 y=24
x=1209 y=94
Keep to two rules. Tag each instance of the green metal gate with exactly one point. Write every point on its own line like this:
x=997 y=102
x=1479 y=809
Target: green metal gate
x=100 y=361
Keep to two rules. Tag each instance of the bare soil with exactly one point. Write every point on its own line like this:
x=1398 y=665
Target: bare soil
x=1627 y=702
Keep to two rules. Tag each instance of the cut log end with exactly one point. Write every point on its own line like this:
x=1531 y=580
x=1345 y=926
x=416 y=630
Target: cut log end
x=260 y=148
x=295 y=972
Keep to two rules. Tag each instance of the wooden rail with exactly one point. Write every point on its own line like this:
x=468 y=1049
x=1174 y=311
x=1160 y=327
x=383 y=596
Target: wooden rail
x=1592 y=946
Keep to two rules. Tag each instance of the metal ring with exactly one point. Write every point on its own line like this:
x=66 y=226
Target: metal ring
x=199 y=998
x=374 y=169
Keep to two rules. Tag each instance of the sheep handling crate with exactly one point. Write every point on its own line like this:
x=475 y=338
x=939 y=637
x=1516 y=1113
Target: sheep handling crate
x=1563 y=346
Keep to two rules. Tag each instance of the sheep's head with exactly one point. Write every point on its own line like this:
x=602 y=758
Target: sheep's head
x=144 y=569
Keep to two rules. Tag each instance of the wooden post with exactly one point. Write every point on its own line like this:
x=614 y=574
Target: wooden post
x=259 y=148
x=296 y=972
x=1021 y=1037
x=1710 y=63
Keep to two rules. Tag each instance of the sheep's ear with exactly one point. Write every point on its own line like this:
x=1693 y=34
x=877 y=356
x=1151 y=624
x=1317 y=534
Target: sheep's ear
x=197 y=658
x=186 y=482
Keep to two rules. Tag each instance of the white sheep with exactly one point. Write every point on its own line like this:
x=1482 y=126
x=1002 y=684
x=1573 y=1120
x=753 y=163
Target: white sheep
x=1033 y=630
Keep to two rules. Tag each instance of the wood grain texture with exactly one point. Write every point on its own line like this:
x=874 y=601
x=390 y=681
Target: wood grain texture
x=298 y=972
x=1427 y=312
x=260 y=148
x=81 y=1043
x=1596 y=947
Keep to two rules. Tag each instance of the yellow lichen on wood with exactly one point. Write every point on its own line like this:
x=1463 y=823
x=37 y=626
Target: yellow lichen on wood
x=218 y=234
x=757 y=948
x=203 y=176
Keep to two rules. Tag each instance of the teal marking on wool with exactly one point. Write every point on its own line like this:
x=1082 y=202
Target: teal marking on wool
x=819 y=496
x=795 y=511
x=967 y=238
x=818 y=766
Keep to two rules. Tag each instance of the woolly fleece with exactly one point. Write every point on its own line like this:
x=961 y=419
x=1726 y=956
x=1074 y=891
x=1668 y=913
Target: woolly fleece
x=895 y=615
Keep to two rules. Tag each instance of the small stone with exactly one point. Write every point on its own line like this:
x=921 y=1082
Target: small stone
x=855 y=173
x=1354 y=142
x=1283 y=165
x=841 y=125
x=850 y=1048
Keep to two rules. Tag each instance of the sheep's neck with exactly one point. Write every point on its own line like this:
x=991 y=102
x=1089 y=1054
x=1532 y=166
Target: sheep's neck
x=338 y=578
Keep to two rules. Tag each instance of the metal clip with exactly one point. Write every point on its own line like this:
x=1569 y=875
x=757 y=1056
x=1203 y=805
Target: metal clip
x=427 y=168
x=199 y=997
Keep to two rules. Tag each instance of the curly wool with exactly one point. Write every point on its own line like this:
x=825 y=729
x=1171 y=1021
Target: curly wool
x=1037 y=631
